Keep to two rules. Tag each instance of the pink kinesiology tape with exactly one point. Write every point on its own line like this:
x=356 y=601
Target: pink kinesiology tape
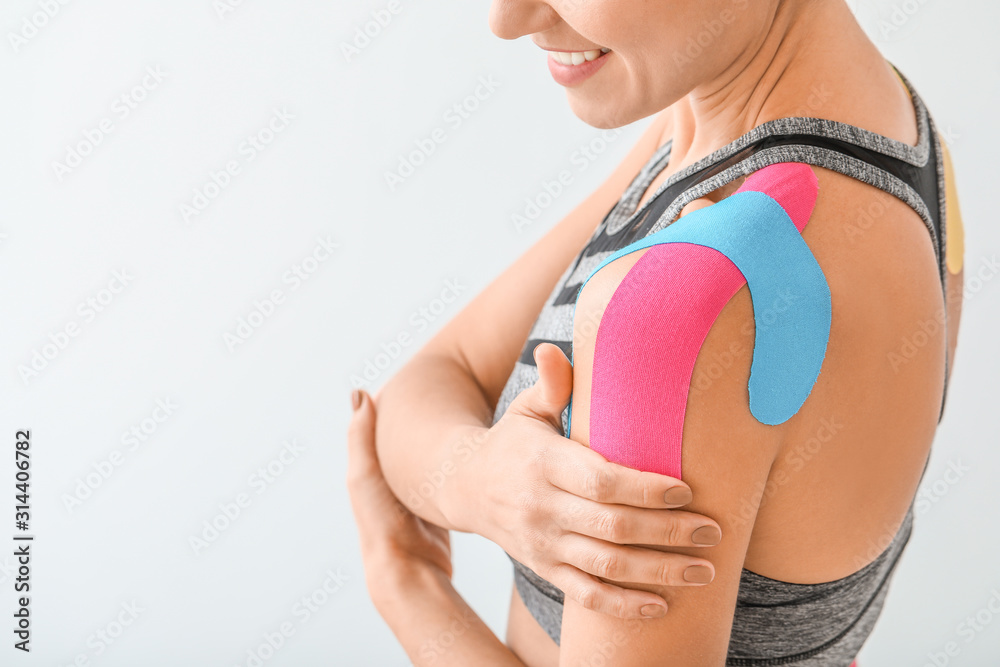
x=653 y=328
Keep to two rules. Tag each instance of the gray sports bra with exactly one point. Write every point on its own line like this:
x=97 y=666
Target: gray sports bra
x=775 y=622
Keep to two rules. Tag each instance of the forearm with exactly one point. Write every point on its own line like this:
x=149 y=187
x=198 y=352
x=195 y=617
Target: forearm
x=436 y=626
x=432 y=417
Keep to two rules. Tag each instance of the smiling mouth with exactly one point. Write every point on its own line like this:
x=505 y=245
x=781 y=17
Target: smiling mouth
x=577 y=57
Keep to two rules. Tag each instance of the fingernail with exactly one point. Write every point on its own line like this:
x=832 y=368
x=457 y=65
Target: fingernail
x=356 y=399
x=698 y=574
x=706 y=536
x=679 y=495
x=653 y=610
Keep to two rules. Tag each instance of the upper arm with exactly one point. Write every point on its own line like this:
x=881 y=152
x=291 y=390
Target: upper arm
x=662 y=367
x=726 y=456
x=488 y=334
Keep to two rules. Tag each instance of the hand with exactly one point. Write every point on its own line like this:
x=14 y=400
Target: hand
x=393 y=539
x=569 y=514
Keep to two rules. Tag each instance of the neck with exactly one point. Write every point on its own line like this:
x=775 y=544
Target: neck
x=806 y=43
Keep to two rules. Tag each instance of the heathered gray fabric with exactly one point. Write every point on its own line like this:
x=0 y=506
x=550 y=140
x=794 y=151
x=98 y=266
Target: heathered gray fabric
x=775 y=622
x=917 y=155
x=586 y=265
x=556 y=323
x=820 y=614
x=819 y=157
x=628 y=202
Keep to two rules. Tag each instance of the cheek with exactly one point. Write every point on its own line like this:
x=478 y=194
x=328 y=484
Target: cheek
x=684 y=37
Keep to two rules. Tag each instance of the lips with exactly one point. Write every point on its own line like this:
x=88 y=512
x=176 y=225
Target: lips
x=570 y=68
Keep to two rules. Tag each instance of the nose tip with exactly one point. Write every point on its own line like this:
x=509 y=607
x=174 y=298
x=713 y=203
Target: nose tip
x=510 y=19
x=497 y=21
x=501 y=21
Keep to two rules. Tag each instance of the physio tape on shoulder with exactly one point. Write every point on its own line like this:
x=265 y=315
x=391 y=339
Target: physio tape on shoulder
x=655 y=323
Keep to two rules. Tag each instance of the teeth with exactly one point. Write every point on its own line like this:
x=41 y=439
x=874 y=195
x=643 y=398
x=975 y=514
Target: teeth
x=578 y=57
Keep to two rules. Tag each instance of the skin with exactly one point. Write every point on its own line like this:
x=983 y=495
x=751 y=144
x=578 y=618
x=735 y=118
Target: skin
x=408 y=563
x=765 y=65
x=520 y=483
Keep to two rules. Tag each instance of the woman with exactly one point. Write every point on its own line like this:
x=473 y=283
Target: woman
x=780 y=124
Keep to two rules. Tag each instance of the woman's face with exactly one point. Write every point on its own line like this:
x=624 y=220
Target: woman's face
x=635 y=57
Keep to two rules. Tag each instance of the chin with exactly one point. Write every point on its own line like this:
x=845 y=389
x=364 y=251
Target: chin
x=604 y=114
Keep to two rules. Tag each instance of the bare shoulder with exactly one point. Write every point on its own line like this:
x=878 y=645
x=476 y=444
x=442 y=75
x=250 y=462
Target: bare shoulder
x=852 y=457
x=879 y=260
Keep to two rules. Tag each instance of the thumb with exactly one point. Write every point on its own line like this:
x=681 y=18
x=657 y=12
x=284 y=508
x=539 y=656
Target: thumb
x=547 y=398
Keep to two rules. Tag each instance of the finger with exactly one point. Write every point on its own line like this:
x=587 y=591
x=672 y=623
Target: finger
x=585 y=473
x=548 y=397
x=362 y=459
x=372 y=500
x=596 y=595
x=622 y=563
x=624 y=524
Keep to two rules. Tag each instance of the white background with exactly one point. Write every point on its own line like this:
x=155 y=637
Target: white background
x=162 y=335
